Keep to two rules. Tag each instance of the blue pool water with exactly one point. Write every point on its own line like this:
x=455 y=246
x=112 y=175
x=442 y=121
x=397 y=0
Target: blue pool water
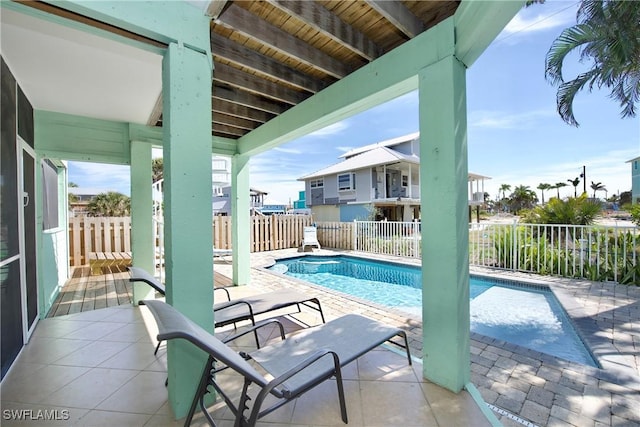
x=529 y=317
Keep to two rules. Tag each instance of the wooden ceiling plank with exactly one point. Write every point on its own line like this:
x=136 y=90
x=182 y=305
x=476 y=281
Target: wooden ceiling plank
x=232 y=121
x=248 y=100
x=252 y=83
x=229 y=108
x=252 y=26
x=228 y=130
x=331 y=26
x=398 y=15
x=238 y=54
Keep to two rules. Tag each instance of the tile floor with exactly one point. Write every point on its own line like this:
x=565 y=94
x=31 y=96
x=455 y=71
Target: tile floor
x=97 y=368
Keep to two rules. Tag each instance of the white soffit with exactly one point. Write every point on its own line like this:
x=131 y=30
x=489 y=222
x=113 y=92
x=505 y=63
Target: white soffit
x=69 y=71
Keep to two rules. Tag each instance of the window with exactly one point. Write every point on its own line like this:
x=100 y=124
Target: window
x=346 y=182
x=49 y=195
x=405 y=180
x=317 y=183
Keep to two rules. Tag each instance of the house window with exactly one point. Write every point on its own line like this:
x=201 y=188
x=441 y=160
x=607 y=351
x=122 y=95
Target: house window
x=49 y=195
x=405 y=180
x=317 y=183
x=346 y=182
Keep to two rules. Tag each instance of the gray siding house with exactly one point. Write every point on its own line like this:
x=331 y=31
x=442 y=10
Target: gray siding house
x=380 y=180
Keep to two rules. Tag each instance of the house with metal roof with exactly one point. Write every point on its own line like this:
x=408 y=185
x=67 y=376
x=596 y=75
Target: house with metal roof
x=376 y=181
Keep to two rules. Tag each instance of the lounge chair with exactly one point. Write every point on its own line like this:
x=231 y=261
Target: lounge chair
x=241 y=309
x=293 y=366
x=310 y=237
x=222 y=253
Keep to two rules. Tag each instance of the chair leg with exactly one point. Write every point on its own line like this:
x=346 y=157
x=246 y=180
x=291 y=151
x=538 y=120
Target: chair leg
x=343 y=403
x=200 y=391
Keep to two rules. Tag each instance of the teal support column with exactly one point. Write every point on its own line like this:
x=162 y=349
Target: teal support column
x=188 y=211
x=142 y=244
x=240 y=207
x=445 y=227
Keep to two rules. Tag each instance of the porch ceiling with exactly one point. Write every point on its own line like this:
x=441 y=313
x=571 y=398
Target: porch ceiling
x=268 y=56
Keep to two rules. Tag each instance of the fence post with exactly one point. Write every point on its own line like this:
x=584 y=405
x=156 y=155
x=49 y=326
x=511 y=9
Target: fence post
x=355 y=235
x=514 y=248
x=416 y=231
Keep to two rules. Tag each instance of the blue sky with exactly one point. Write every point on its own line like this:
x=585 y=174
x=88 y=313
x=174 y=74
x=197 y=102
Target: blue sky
x=515 y=135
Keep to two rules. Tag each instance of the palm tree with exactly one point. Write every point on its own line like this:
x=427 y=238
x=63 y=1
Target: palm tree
x=504 y=188
x=576 y=211
x=542 y=187
x=523 y=198
x=607 y=34
x=558 y=186
x=157 y=168
x=597 y=186
x=109 y=204
x=575 y=182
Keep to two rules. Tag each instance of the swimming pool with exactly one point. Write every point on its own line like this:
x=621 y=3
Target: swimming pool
x=496 y=307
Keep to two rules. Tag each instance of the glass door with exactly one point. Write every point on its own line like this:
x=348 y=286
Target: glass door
x=11 y=320
x=28 y=250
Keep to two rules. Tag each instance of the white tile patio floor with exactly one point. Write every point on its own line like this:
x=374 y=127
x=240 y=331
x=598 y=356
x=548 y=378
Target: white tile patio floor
x=99 y=366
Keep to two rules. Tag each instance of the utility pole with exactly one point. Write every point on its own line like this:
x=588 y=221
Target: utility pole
x=583 y=175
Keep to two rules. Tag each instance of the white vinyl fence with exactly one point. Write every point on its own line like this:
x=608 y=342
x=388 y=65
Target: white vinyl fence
x=387 y=238
x=601 y=253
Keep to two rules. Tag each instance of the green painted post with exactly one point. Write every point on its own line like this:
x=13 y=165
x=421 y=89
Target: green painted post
x=445 y=228
x=188 y=210
x=240 y=233
x=142 y=244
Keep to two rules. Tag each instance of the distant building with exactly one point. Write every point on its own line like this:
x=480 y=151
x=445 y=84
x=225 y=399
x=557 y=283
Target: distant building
x=301 y=203
x=635 y=180
x=83 y=195
x=381 y=180
x=222 y=201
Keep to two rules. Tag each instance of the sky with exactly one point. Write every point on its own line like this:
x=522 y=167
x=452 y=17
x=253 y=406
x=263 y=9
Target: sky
x=515 y=135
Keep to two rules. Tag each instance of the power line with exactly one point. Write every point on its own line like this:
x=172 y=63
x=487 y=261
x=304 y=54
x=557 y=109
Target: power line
x=536 y=22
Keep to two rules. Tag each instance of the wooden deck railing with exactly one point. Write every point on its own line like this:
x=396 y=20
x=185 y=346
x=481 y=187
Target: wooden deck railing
x=267 y=233
x=97 y=234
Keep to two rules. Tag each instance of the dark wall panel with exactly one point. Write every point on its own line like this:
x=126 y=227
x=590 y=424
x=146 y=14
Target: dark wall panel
x=25 y=118
x=8 y=167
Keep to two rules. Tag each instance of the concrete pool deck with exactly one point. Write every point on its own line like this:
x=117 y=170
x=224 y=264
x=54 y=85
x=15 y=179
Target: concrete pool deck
x=522 y=386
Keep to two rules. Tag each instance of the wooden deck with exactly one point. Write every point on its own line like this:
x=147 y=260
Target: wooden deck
x=84 y=292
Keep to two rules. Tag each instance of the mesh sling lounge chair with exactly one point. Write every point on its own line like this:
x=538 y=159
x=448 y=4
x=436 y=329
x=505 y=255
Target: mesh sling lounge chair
x=247 y=308
x=294 y=365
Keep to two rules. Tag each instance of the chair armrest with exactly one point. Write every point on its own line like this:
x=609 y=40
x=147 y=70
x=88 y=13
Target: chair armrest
x=225 y=290
x=319 y=354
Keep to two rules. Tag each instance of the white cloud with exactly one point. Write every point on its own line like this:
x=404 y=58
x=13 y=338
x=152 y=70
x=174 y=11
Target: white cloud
x=287 y=150
x=504 y=120
x=344 y=149
x=609 y=168
x=330 y=130
x=101 y=176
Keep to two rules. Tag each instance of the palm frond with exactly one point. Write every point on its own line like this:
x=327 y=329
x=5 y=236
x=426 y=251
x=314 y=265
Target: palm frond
x=567 y=92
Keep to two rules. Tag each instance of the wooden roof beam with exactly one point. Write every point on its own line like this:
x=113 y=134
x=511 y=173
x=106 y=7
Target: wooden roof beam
x=250 y=82
x=248 y=100
x=398 y=14
x=222 y=47
x=229 y=108
x=252 y=26
x=215 y=8
x=331 y=26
